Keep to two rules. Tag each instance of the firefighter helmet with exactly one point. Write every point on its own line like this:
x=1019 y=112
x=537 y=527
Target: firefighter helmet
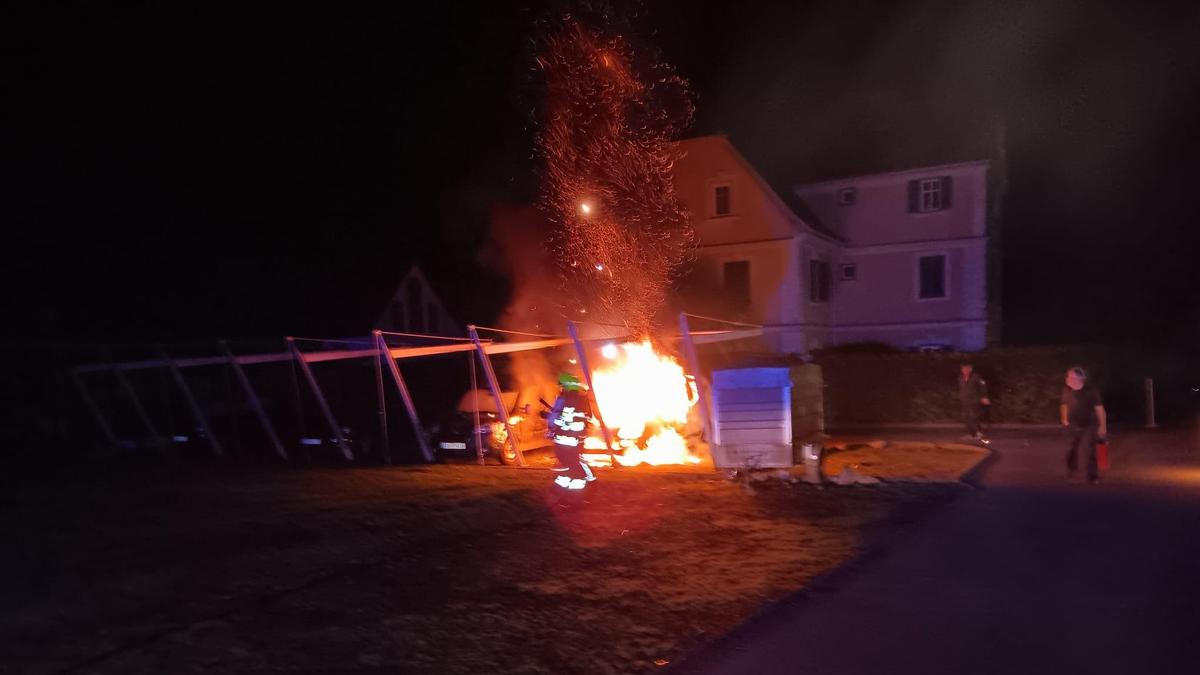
x=569 y=382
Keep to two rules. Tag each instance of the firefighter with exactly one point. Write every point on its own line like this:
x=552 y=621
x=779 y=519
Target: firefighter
x=568 y=424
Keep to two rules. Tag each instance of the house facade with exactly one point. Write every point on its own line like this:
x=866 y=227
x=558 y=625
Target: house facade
x=900 y=258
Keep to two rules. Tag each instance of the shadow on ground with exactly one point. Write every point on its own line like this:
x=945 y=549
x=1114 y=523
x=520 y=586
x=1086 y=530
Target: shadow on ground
x=168 y=568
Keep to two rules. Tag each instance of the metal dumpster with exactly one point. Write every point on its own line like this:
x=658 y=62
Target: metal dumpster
x=752 y=418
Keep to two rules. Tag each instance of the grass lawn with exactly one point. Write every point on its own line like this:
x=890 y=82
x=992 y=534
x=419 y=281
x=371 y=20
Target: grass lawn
x=447 y=569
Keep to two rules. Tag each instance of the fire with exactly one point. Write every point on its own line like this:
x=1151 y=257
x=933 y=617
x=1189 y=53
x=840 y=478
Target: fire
x=665 y=447
x=645 y=398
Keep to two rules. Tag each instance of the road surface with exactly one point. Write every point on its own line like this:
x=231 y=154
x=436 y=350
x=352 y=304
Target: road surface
x=1030 y=574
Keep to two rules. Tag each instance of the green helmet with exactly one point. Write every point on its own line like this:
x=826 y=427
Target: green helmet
x=569 y=382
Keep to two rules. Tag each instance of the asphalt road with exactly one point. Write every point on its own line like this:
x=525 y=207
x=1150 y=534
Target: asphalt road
x=1030 y=574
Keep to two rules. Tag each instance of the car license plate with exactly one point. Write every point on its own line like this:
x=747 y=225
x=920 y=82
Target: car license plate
x=453 y=446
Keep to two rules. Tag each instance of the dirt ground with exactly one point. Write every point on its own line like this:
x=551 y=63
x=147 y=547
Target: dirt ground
x=446 y=569
x=906 y=460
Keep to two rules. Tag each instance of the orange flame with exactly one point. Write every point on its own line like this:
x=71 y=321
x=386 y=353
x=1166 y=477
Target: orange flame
x=645 y=398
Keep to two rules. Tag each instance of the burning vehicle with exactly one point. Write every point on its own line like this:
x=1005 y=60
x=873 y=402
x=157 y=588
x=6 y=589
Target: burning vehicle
x=454 y=436
x=648 y=405
x=646 y=400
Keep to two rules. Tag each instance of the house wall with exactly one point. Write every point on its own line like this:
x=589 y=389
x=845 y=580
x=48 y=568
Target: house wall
x=762 y=230
x=886 y=288
x=880 y=212
x=885 y=241
x=773 y=280
x=883 y=299
x=816 y=314
x=880 y=236
x=756 y=216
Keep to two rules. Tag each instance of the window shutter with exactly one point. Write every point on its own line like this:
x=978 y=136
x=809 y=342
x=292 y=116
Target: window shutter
x=946 y=183
x=914 y=195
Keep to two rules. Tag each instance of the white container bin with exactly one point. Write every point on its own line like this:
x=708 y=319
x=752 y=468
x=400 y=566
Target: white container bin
x=752 y=418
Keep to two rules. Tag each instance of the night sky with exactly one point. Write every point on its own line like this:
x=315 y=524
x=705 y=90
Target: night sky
x=180 y=172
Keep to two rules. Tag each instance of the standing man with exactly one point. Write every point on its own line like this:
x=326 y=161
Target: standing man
x=1082 y=412
x=972 y=397
x=568 y=421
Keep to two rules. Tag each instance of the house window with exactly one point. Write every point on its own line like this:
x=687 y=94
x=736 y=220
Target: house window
x=847 y=197
x=737 y=281
x=849 y=272
x=818 y=281
x=929 y=194
x=931 y=273
x=722 y=206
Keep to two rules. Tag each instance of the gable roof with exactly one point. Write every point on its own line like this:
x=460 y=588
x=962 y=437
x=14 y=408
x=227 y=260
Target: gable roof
x=800 y=216
x=386 y=315
x=891 y=175
x=800 y=208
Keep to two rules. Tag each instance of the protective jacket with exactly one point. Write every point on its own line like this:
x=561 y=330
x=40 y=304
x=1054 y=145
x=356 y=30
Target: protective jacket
x=568 y=419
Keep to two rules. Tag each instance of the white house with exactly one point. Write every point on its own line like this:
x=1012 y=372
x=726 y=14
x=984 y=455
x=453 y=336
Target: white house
x=415 y=308
x=898 y=257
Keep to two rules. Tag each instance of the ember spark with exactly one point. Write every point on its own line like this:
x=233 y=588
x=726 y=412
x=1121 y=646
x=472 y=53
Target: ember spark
x=608 y=130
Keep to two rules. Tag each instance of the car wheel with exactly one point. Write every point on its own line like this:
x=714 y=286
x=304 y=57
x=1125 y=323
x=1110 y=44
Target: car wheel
x=506 y=454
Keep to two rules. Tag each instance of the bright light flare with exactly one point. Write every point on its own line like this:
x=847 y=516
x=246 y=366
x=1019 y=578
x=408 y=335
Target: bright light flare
x=585 y=208
x=609 y=351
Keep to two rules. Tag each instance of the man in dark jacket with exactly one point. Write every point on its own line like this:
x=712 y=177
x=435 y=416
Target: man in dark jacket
x=972 y=397
x=1082 y=412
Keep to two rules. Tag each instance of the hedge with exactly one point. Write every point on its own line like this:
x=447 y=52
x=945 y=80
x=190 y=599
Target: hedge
x=876 y=384
x=1024 y=384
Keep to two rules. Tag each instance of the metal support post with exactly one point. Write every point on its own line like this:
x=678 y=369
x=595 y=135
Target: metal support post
x=127 y=387
x=380 y=353
x=255 y=403
x=689 y=353
x=234 y=429
x=406 y=397
x=1150 y=423
x=316 y=389
x=197 y=414
x=587 y=376
x=475 y=410
x=90 y=404
x=494 y=386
